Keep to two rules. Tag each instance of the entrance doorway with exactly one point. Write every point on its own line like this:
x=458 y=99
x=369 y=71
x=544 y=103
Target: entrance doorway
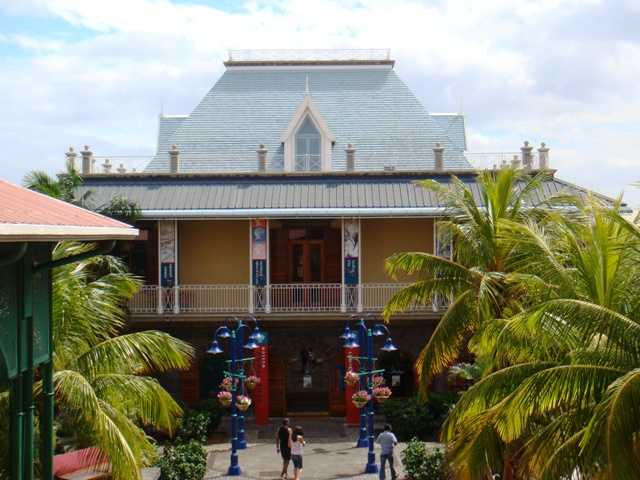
x=307 y=261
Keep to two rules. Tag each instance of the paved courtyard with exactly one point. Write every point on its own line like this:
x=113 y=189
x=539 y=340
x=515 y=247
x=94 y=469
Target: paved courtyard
x=330 y=454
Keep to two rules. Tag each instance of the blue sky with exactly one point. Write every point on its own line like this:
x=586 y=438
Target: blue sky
x=565 y=72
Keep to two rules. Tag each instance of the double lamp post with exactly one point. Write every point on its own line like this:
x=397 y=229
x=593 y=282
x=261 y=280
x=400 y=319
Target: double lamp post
x=362 y=337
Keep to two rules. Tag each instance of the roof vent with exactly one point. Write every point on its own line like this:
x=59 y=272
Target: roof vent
x=71 y=158
x=515 y=162
x=543 y=156
x=351 y=158
x=526 y=156
x=438 y=155
x=262 y=158
x=87 y=160
x=174 y=159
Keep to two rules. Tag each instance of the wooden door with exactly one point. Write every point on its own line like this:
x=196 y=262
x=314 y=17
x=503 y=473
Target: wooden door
x=306 y=260
x=277 y=388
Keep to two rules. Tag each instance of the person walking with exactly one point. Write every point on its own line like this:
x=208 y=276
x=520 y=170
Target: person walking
x=387 y=441
x=297 y=444
x=283 y=446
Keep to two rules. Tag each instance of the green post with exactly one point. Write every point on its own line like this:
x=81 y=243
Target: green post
x=27 y=382
x=46 y=422
x=16 y=446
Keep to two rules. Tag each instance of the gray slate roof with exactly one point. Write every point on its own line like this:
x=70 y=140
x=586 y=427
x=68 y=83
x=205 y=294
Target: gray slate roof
x=251 y=195
x=369 y=107
x=452 y=125
x=167 y=124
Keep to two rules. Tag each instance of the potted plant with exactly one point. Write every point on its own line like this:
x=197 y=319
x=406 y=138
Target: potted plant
x=377 y=381
x=351 y=378
x=381 y=393
x=243 y=403
x=360 y=398
x=251 y=381
x=227 y=384
x=224 y=397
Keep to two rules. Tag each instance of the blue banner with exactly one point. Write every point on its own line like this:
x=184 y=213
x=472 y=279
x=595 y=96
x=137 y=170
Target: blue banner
x=351 y=271
x=167 y=274
x=259 y=272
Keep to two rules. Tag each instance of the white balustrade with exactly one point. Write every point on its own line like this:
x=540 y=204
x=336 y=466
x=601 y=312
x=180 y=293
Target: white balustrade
x=275 y=298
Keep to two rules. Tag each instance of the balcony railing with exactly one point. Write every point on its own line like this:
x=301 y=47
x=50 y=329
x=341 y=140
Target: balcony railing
x=275 y=298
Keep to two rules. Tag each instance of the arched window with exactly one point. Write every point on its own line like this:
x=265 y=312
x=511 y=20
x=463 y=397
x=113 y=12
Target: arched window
x=308 y=151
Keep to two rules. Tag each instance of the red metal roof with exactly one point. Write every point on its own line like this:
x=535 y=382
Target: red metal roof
x=29 y=215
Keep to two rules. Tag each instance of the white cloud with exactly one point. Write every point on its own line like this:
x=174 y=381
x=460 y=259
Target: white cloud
x=564 y=72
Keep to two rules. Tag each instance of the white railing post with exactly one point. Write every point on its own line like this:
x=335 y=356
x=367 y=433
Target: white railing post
x=343 y=298
x=251 y=307
x=267 y=301
x=176 y=299
x=359 y=297
x=160 y=300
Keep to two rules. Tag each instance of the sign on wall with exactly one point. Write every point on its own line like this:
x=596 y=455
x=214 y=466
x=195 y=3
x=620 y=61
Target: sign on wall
x=167 y=252
x=259 y=251
x=351 y=246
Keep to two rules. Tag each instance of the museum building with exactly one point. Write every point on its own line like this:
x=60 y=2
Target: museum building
x=281 y=195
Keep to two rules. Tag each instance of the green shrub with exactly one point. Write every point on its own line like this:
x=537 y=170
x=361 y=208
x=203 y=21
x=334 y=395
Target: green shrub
x=422 y=465
x=194 y=426
x=187 y=461
x=412 y=418
x=214 y=410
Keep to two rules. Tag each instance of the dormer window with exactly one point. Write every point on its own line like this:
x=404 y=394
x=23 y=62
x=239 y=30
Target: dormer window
x=308 y=152
x=307 y=140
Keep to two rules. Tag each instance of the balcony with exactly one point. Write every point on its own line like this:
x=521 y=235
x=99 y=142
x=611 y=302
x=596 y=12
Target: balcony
x=275 y=298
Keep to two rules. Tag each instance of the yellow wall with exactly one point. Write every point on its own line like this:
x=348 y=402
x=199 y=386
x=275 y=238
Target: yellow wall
x=382 y=237
x=213 y=252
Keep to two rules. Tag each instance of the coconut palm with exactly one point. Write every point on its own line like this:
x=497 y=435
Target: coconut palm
x=63 y=187
x=475 y=277
x=566 y=403
x=104 y=392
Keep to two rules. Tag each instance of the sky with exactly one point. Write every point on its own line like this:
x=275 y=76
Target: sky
x=98 y=73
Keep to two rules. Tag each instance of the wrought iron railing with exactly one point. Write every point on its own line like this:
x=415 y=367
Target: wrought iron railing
x=275 y=298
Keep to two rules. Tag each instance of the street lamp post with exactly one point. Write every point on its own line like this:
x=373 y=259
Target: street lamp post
x=365 y=335
x=236 y=373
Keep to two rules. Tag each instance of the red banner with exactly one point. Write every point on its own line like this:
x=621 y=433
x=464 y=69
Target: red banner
x=352 y=413
x=260 y=394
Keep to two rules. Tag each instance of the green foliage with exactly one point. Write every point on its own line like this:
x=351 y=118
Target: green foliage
x=419 y=464
x=103 y=389
x=121 y=209
x=187 y=461
x=63 y=187
x=194 y=426
x=215 y=411
x=412 y=417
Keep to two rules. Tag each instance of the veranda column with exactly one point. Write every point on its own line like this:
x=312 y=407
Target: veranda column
x=351 y=265
x=259 y=257
x=168 y=262
x=442 y=247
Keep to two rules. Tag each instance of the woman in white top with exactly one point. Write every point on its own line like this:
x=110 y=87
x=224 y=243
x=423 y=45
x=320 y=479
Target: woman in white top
x=297 y=443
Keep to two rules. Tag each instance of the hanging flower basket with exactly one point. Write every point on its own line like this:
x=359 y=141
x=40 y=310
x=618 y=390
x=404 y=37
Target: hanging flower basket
x=224 y=398
x=361 y=398
x=243 y=403
x=381 y=393
x=351 y=378
x=377 y=381
x=227 y=384
x=251 y=382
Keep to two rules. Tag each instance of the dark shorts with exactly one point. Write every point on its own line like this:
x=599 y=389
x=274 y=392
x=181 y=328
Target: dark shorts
x=297 y=460
x=285 y=453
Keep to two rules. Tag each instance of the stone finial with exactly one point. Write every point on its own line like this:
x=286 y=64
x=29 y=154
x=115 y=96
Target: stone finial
x=71 y=158
x=543 y=156
x=526 y=155
x=262 y=158
x=121 y=169
x=351 y=158
x=174 y=159
x=515 y=162
x=438 y=155
x=87 y=160
x=106 y=166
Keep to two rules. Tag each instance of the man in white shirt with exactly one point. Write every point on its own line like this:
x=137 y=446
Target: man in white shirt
x=387 y=441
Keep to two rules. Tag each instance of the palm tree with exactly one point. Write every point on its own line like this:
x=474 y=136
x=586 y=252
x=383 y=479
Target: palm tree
x=104 y=392
x=63 y=187
x=566 y=403
x=475 y=277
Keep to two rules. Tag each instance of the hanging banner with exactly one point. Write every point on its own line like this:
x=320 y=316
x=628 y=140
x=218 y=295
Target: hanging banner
x=167 y=252
x=351 y=247
x=259 y=251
